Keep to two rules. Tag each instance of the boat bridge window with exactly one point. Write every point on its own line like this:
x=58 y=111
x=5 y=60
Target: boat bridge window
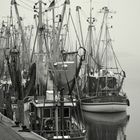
x=32 y=107
x=110 y=82
x=46 y=113
x=92 y=84
x=67 y=112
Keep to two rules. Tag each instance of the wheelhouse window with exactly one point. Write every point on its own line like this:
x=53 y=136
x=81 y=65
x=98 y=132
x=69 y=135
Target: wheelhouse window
x=67 y=112
x=31 y=107
x=47 y=113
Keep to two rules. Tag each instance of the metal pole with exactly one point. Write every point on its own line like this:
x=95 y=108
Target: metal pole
x=40 y=27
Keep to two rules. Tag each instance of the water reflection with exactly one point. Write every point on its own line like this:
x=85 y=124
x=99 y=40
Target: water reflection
x=103 y=126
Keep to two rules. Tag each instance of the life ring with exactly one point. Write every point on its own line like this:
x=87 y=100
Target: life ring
x=48 y=124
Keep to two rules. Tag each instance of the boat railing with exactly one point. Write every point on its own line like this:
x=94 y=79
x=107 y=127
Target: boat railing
x=109 y=92
x=49 y=133
x=108 y=98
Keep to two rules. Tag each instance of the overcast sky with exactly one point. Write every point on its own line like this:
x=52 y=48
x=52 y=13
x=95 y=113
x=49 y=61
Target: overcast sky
x=126 y=30
x=126 y=36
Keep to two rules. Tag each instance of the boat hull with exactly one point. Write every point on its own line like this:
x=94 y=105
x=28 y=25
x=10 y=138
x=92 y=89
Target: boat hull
x=104 y=107
x=106 y=118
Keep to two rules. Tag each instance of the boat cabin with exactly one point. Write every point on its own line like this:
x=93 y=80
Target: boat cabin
x=47 y=118
x=102 y=84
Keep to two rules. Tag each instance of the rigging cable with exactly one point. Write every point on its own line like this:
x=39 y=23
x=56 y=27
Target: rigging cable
x=67 y=31
x=26 y=4
x=75 y=30
x=26 y=8
x=83 y=120
x=31 y=1
x=114 y=53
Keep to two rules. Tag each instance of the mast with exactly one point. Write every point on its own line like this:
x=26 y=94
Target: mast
x=106 y=42
x=90 y=34
x=53 y=33
x=40 y=45
x=39 y=36
x=57 y=49
x=77 y=9
x=40 y=28
x=6 y=90
x=105 y=9
x=91 y=50
x=88 y=69
x=15 y=61
x=25 y=58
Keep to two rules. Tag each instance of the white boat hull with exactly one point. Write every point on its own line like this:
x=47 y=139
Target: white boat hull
x=104 y=107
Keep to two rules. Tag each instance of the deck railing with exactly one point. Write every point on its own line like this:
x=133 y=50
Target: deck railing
x=51 y=133
x=105 y=99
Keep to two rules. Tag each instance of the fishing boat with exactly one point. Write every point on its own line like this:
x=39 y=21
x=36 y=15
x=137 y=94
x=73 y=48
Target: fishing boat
x=109 y=126
x=104 y=76
x=55 y=115
x=52 y=112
